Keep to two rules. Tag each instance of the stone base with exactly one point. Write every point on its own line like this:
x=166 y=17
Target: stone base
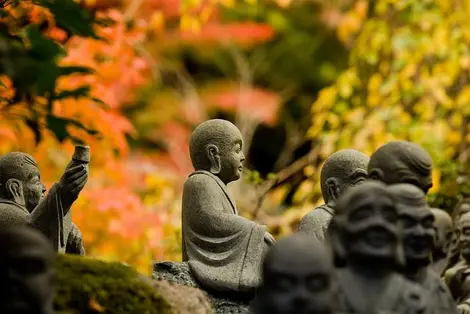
x=179 y=273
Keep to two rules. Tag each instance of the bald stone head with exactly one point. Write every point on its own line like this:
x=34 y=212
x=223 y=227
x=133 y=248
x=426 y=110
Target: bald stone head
x=26 y=271
x=365 y=230
x=443 y=227
x=341 y=170
x=463 y=231
x=402 y=162
x=297 y=278
x=217 y=146
x=20 y=180
x=417 y=222
x=461 y=208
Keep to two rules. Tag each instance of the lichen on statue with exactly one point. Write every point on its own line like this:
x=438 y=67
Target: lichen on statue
x=341 y=170
x=23 y=199
x=224 y=250
x=402 y=162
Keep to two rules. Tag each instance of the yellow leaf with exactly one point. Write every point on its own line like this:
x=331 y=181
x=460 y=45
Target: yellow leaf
x=436 y=180
x=94 y=305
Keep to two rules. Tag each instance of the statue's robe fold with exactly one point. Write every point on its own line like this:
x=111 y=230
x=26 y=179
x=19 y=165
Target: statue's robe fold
x=224 y=250
x=438 y=293
x=12 y=214
x=53 y=217
x=315 y=223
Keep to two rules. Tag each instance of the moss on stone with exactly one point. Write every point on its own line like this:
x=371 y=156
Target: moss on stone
x=89 y=286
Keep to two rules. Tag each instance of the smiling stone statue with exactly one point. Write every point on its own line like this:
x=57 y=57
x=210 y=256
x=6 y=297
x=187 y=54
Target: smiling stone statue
x=416 y=220
x=224 y=250
x=365 y=235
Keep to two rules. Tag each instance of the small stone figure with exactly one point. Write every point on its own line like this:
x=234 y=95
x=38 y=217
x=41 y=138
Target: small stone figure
x=26 y=271
x=401 y=162
x=341 y=170
x=23 y=200
x=417 y=220
x=298 y=277
x=454 y=255
x=366 y=234
x=458 y=277
x=224 y=250
x=444 y=229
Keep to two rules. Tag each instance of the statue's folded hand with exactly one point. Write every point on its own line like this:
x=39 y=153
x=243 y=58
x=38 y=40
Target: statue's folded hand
x=463 y=308
x=74 y=179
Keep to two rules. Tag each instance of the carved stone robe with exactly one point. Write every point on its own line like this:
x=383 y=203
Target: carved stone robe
x=12 y=213
x=224 y=250
x=53 y=217
x=316 y=222
x=438 y=293
x=399 y=296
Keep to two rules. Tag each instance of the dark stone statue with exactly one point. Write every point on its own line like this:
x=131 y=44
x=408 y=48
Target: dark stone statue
x=401 y=162
x=454 y=255
x=23 y=199
x=458 y=277
x=224 y=250
x=341 y=170
x=444 y=229
x=365 y=234
x=417 y=220
x=26 y=271
x=298 y=278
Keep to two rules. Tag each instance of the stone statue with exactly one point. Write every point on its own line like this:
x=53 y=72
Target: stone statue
x=224 y=250
x=365 y=234
x=23 y=199
x=444 y=229
x=401 y=162
x=341 y=170
x=26 y=271
x=454 y=255
x=417 y=220
x=458 y=277
x=298 y=277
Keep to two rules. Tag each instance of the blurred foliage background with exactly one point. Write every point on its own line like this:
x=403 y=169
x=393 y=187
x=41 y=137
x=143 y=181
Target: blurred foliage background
x=300 y=78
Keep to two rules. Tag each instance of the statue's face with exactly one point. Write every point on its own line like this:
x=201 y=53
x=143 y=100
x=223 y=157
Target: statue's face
x=232 y=157
x=372 y=229
x=443 y=233
x=356 y=177
x=299 y=287
x=418 y=232
x=464 y=237
x=33 y=189
x=26 y=279
x=463 y=209
x=405 y=175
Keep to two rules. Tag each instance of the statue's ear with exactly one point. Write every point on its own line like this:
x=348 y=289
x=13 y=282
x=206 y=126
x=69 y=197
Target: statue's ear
x=213 y=154
x=14 y=189
x=376 y=174
x=332 y=189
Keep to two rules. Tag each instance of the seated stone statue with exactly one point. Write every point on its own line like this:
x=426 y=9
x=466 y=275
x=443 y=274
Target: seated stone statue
x=458 y=277
x=416 y=220
x=444 y=229
x=26 y=271
x=341 y=170
x=224 y=250
x=298 y=277
x=365 y=234
x=23 y=199
x=401 y=162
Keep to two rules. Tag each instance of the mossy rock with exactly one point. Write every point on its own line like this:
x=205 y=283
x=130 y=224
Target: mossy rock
x=89 y=286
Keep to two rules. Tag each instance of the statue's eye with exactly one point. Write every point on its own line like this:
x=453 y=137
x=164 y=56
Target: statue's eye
x=317 y=282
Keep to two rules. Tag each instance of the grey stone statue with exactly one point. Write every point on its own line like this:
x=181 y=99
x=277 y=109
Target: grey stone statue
x=23 y=199
x=459 y=210
x=26 y=271
x=341 y=170
x=444 y=231
x=365 y=233
x=401 y=162
x=298 y=278
x=458 y=277
x=224 y=250
x=417 y=220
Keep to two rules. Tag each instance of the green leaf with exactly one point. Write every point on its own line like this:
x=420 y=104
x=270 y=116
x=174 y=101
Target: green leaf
x=82 y=91
x=42 y=48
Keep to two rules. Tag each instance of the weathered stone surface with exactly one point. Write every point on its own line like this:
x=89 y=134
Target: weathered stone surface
x=87 y=285
x=179 y=273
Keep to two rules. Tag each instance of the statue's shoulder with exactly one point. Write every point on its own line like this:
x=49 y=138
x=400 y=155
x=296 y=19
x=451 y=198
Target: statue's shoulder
x=201 y=182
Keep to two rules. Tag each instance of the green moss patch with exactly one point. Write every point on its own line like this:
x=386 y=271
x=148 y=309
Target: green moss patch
x=88 y=286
